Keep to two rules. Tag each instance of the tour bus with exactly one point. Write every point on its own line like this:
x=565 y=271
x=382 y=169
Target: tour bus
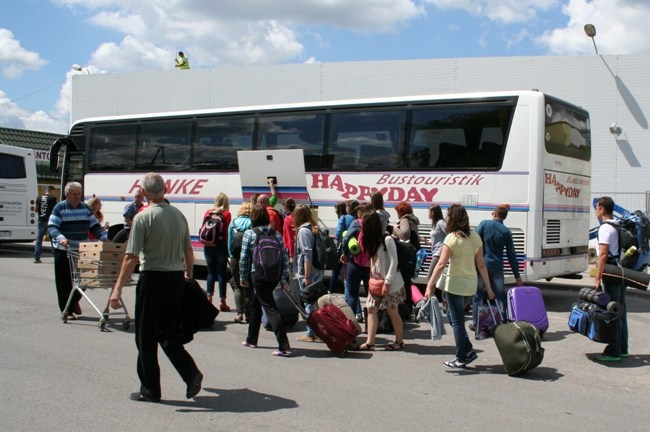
x=18 y=193
x=524 y=148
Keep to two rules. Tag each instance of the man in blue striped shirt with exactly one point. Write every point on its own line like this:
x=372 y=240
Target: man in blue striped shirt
x=69 y=224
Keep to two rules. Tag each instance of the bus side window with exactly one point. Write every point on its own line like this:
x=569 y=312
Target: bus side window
x=452 y=155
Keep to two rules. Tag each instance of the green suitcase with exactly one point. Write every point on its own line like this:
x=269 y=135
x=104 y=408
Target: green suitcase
x=520 y=346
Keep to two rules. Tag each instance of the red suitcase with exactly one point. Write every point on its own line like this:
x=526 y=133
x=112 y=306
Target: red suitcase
x=334 y=328
x=331 y=325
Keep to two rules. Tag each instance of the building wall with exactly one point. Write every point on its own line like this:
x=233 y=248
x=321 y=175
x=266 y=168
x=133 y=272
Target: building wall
x=613 y=89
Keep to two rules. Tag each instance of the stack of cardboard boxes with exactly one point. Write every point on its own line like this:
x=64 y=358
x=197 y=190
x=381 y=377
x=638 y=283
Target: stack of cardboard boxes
x=99 y=263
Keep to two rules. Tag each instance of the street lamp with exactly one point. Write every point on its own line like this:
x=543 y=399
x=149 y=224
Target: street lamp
x=590 y=30
x=78 y=68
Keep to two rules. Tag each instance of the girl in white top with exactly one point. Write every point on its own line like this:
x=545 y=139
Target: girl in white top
x=383 y=265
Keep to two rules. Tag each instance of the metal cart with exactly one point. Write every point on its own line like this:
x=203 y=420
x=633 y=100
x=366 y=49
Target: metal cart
x=99 y=279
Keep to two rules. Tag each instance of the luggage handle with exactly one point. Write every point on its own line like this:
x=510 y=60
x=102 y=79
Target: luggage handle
x=496 y=305
x=296 y=304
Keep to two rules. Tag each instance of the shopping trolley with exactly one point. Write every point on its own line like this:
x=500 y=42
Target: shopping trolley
x=92 y=274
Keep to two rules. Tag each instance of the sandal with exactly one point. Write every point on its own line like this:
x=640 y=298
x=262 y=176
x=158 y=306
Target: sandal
x=395 y=346
x=366 y=347
x=239 y=319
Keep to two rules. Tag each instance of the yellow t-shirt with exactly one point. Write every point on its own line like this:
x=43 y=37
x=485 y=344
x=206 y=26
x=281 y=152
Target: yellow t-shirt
x=462 y=275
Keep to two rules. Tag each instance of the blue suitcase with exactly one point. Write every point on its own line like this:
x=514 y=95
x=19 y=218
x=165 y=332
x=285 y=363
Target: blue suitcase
x=526 y=303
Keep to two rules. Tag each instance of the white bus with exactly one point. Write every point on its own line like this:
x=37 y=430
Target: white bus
x=523 y=148
x=18 y=193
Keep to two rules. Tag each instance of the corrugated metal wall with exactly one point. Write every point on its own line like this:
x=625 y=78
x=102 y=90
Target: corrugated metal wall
x=613 y=88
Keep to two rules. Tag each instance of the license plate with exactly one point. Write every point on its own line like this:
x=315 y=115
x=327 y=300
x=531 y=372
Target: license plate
x=5 y=233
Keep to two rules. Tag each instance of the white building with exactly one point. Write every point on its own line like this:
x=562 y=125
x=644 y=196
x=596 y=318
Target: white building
x=614 y=89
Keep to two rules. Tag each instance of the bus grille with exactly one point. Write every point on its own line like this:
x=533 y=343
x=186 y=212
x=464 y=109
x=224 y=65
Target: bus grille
x=552 y=231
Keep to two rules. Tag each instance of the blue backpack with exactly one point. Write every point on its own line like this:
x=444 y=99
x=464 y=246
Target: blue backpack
x=633 y=232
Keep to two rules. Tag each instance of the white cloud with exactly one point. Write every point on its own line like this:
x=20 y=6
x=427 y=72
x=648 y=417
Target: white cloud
x=500 y=11
x=16 y=59
x=621 y=27
x=12 y=116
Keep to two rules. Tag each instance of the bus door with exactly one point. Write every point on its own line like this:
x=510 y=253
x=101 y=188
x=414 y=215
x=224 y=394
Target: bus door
x=68 y=160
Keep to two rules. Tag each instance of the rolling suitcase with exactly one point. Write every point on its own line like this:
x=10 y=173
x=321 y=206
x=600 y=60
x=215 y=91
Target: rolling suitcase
x=527 y=304
x=331 y=325
x=285 y=307
x=520 y=346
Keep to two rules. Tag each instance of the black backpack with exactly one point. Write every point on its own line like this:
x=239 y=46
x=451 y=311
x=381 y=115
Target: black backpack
x=406 y=258
x=324 y=251
x=268 y=257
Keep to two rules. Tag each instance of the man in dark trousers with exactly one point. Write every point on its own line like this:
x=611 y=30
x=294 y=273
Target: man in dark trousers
x=496 y=236
x=70 y=222
x=160 y=241
x=44 y=206
x=608 y=253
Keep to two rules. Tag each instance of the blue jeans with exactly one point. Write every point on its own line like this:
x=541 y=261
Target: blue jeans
x=355 y=274
x=616 y=288
x=216 y=259
x=456 y=317
x=38 y=245
x=498 y=288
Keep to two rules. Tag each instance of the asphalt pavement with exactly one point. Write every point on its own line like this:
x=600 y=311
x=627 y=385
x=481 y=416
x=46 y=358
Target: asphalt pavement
x=74 y=377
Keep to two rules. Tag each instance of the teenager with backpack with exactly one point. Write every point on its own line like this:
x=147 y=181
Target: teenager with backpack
x=406 y=229
x=608 y=253
x=236 y=231
x=264 y=263
x=306 y=230
x=216 y=253
x=358 y=264
x=384 y=274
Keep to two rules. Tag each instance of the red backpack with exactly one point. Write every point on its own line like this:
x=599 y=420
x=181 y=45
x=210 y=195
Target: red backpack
x=211 y=231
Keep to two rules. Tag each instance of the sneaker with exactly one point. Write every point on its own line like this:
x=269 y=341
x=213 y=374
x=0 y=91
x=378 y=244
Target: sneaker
x=607 y=358
x=282 y=353
x=625 y=355
x=471 y=357
x=454 y=364
x=248 y=345
x=360 y=319
x=306 y=338
x=472 y=326
x=37 y=260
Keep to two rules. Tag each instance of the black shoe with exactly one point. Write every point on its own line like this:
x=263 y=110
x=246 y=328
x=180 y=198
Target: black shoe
x=472 y=326
x=194 y=386
x=139 y=397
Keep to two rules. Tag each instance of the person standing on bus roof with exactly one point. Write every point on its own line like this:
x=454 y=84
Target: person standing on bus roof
x=70 y=222
x=182 y=61
x=496 y=236
x=160 y=241
x=44 y=206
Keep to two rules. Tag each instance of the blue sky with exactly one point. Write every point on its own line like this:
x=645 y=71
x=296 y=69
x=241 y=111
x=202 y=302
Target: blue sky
x=41 y=39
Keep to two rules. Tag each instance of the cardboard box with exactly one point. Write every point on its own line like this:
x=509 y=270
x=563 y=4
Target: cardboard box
x=98 y=283
x=98 y=246
x=101 y=256
x=101 y=272
x=85 y=265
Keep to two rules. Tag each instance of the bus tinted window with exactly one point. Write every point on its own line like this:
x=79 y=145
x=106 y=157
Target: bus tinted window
x=112 y=148
x=12 y=167
x=567 y=132
x=462 y=137
x=294 y=132
x=217 y=141
x=367 y=140
x=163 y=146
